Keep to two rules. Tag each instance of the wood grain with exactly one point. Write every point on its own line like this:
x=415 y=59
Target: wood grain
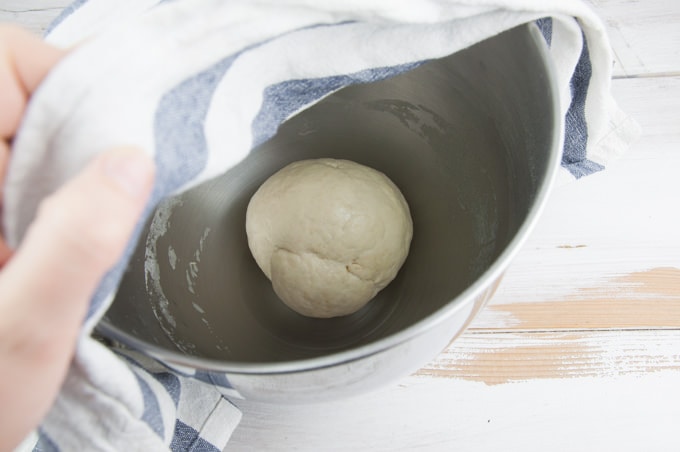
x=644 y=35
x=655 y=103
x=34 y=15
x=647 y=299
x=588 y=414
x=521 y=357
x=628 y=325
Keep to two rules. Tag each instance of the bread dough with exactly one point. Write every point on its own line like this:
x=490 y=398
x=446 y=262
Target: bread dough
x=329 y=234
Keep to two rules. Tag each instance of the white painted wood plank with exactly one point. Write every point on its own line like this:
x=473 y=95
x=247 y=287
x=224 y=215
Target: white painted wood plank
x=437 y=414
x=34 y=15
x=645 y=35
x=655 y=103
x=649 y=300
x=520 y=357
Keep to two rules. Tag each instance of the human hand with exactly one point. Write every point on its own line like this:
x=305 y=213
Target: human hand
x=79 y=232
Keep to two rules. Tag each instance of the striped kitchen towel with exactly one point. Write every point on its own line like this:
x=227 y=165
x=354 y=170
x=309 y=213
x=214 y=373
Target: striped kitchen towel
x=198 y=84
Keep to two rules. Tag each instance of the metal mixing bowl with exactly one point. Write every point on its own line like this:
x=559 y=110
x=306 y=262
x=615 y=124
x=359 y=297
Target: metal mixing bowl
x=473 y=142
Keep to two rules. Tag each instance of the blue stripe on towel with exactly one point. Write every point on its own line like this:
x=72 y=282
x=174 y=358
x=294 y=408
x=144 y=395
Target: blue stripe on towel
x=582 y=168
x=181 y=147
x=45 y=443
x=546 y=25
x=187 y=439
x=281 y=100
x=576 y=129
x=170 y=381
x=171 y=384
x=152 y=411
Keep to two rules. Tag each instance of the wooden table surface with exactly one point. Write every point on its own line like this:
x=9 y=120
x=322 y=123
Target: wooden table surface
x=579 y=350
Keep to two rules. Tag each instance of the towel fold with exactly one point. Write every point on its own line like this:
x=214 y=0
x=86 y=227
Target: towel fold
x=190 y=81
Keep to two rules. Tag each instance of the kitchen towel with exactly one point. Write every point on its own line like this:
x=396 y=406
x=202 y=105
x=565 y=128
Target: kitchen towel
x=198 y=84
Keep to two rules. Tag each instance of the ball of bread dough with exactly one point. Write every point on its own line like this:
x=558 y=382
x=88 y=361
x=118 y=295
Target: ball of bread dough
x=329 y=234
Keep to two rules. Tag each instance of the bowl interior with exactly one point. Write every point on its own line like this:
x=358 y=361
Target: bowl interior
x=466 y=138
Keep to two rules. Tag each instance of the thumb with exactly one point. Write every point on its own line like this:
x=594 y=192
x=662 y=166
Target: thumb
x=78 y=234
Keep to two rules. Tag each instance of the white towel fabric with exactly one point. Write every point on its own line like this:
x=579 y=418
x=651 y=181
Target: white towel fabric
x=199 y=83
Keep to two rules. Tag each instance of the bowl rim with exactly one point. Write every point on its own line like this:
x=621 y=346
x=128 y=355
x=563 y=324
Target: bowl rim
x=483 y=282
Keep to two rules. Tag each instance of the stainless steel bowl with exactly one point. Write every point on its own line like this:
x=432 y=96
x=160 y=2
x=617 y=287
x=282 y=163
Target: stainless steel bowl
x=473 y=142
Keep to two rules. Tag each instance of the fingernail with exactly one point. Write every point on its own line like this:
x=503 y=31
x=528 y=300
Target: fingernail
x=130 y=169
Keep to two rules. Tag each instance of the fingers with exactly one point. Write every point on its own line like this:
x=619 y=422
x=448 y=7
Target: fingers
x=78 y=234
x=5 y=251
x=25 y=60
